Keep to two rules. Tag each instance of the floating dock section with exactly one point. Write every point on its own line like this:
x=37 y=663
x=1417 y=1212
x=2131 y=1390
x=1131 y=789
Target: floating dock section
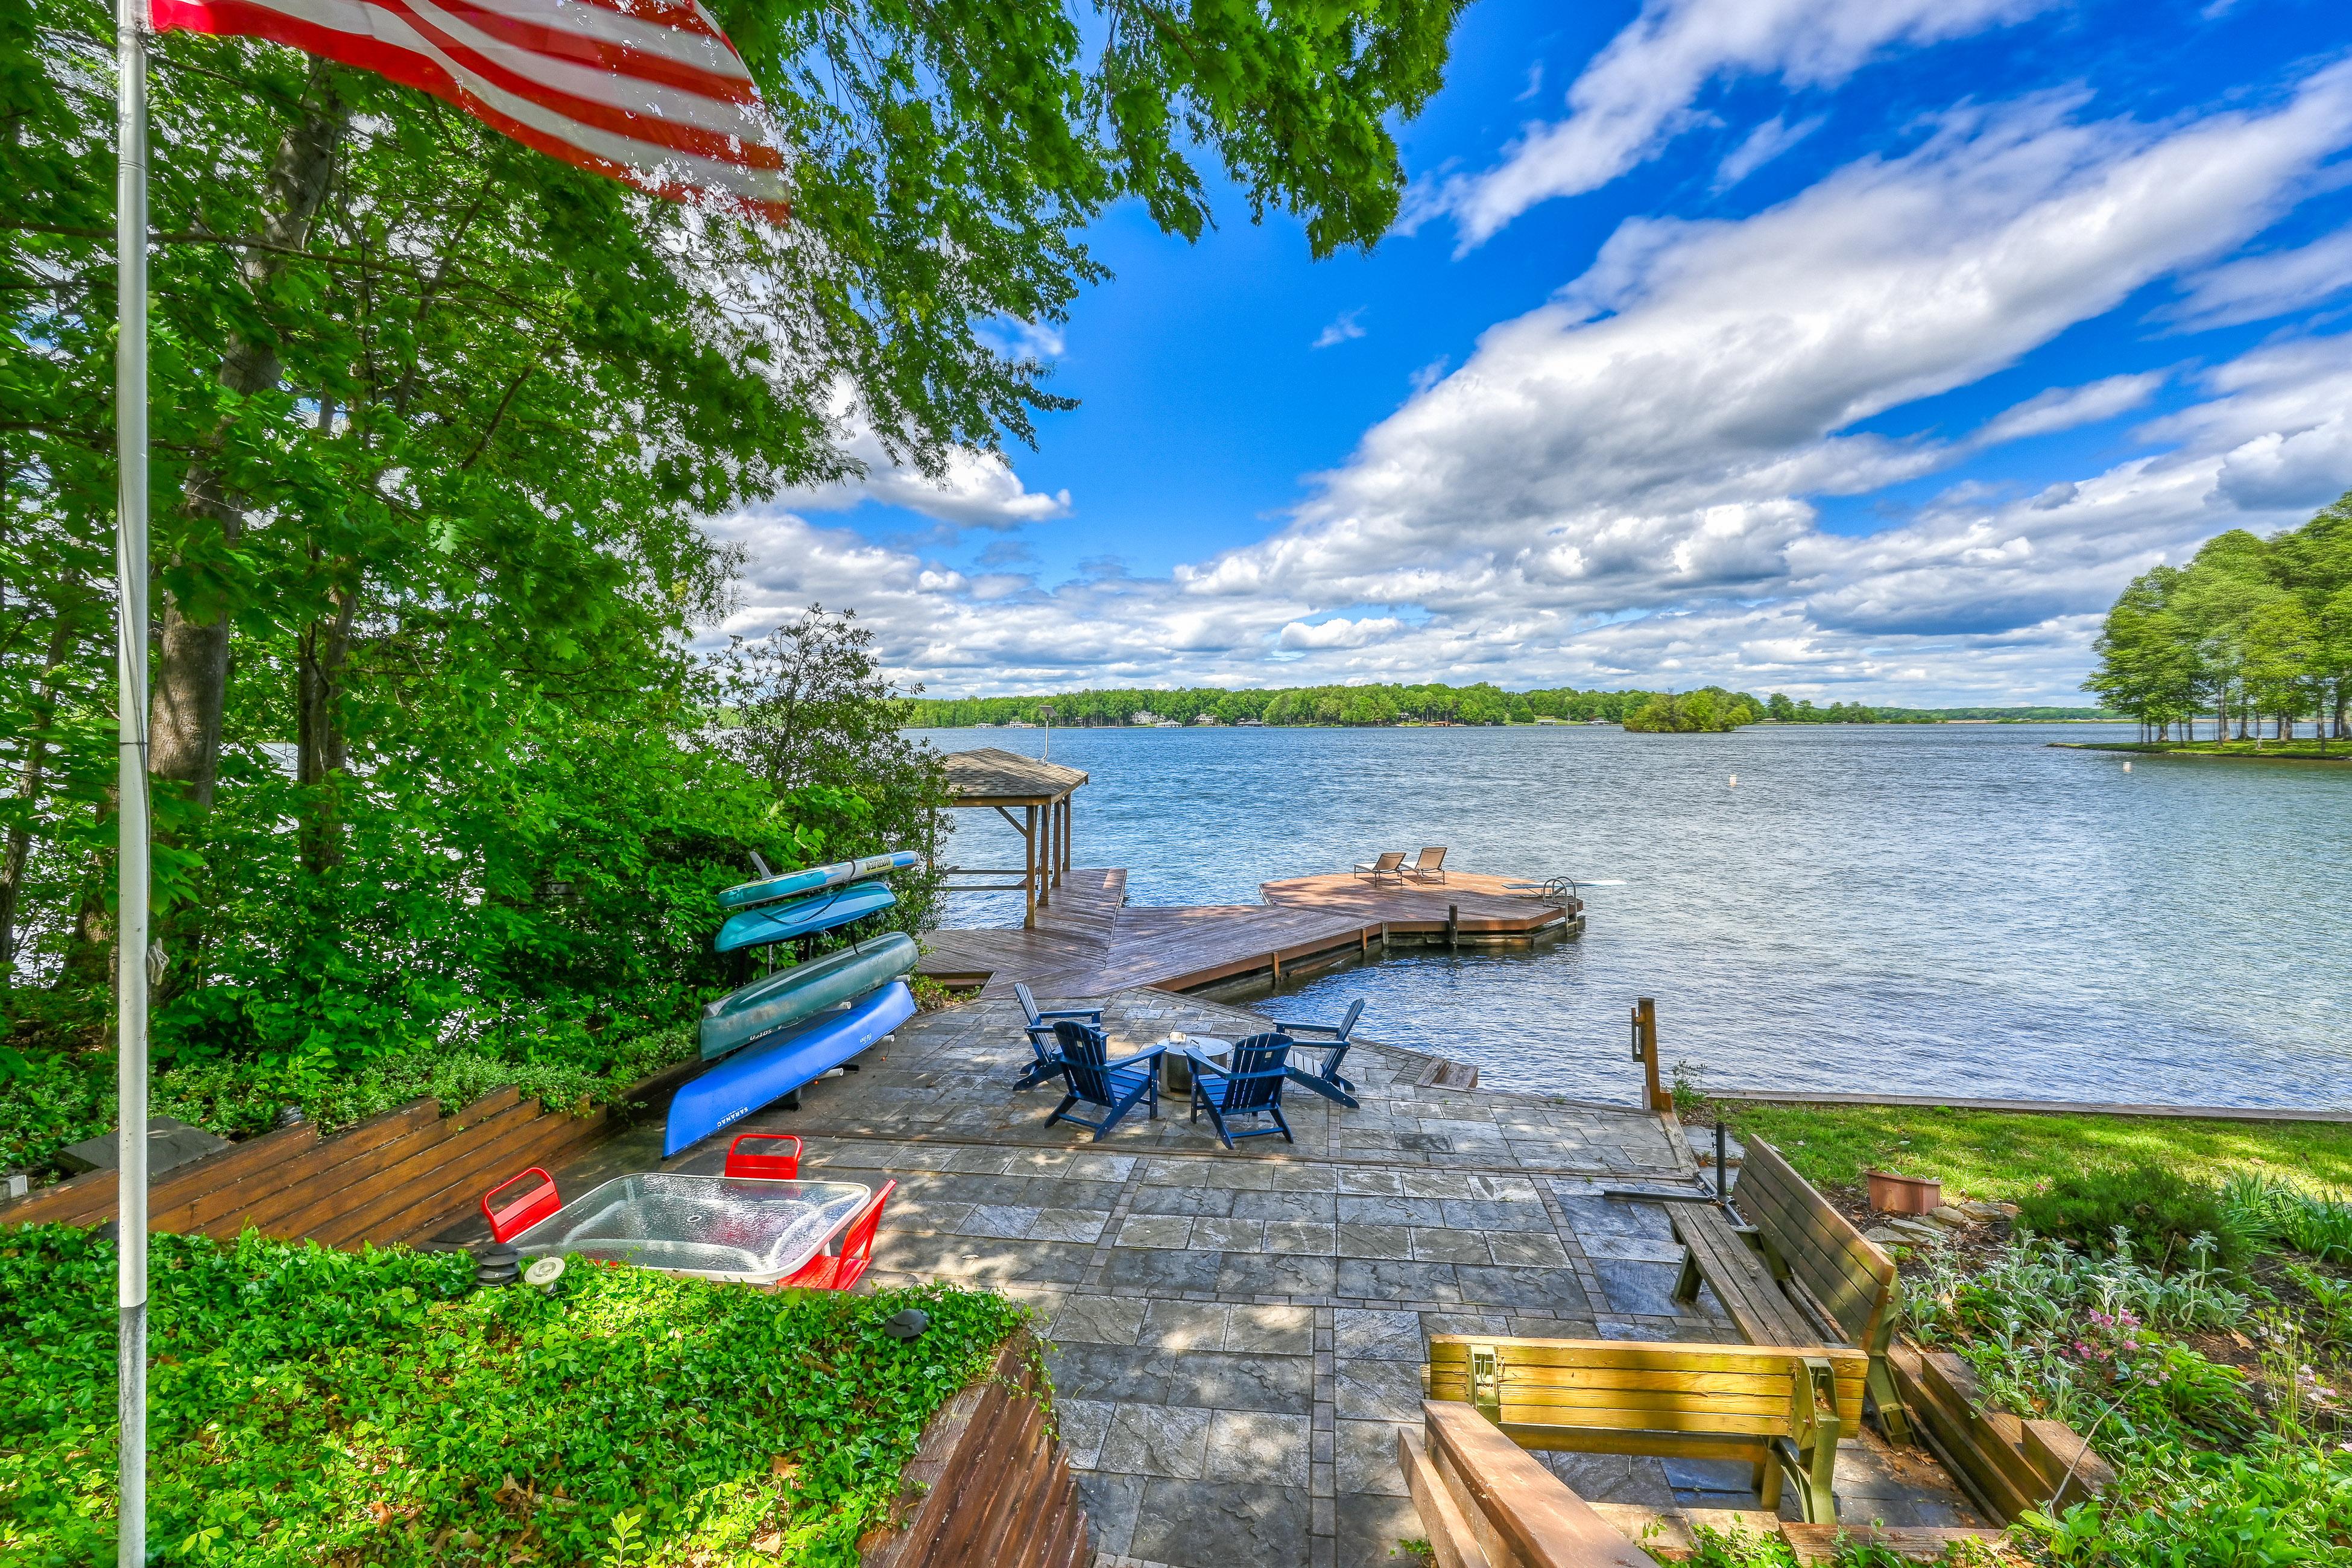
x=1090 y=942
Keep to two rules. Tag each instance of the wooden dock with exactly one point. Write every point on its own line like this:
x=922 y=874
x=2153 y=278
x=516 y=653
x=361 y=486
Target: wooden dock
x=1091 y=943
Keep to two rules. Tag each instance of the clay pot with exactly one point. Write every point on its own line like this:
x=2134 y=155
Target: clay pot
x=1891 y=1194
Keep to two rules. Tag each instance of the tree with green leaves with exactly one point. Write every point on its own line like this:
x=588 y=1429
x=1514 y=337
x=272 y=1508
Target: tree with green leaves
x=2251 y=629
x=435 y=421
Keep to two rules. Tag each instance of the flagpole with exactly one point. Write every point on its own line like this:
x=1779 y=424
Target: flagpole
x=131 y=779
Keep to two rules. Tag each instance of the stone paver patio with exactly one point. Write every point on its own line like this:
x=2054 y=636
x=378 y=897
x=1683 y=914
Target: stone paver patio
x=1238 y=1336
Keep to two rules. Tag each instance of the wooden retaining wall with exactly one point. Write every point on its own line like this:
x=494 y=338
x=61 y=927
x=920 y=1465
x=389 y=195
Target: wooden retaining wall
x=400 y=1176
x=2008 y=1464
x=990 y=1487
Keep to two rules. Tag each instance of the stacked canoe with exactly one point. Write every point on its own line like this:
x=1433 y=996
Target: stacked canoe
x=785 y=1029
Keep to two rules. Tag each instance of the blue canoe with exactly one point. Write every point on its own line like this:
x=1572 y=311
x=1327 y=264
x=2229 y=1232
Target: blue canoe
x=791 y=995
x=743 y=1083
x=802 y=917
x=816 y=879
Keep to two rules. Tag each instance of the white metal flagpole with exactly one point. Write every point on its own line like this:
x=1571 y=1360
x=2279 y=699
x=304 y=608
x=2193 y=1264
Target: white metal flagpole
x=131 y=780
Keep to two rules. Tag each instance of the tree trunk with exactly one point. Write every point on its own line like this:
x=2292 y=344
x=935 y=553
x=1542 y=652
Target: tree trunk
x=89 y=951
x=321 y=753
x=192 y=664
x=19 y=846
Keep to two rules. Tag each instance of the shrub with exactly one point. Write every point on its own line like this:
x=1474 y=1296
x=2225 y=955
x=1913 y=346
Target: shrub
x=2155 y=1211
x=2274 y=1213
x=313 y=1406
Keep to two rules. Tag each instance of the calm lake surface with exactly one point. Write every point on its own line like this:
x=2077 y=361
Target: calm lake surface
x=1907 y=910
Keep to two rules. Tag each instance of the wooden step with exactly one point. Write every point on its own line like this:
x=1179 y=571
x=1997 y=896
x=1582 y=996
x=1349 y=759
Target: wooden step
x=1816 y=1543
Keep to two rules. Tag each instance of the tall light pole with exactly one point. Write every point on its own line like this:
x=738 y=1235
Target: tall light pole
x=1046 y=711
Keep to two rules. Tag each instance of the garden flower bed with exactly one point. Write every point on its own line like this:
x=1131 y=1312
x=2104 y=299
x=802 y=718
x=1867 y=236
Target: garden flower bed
x=2186 y=1307
x=313 y=1406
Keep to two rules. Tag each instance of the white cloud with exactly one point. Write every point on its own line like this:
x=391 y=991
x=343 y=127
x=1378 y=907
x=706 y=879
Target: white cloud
x=1638 y=91
x=2256 y=287
x=2065 y=407
x=1339 y=330
x=1623 y=486
x=1650 y=435
x=1761 y=146
x=1339 y=632
x=975 y=489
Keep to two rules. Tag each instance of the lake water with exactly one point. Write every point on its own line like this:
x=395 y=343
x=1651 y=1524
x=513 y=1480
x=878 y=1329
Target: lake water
x=1907 y=910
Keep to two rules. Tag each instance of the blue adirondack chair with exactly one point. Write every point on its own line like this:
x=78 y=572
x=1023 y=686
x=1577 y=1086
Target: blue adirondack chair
x=1083 y=1059
x=1048 y=1064
x=1324 y=1079
x=1251 y=1087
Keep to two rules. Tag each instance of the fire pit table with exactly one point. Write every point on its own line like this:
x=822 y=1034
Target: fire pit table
x=738 y=1229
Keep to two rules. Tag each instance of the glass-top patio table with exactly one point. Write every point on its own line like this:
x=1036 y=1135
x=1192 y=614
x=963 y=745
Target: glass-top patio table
x=738 y=1229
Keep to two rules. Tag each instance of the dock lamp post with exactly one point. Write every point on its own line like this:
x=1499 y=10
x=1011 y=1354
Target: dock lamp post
x=1046 y=712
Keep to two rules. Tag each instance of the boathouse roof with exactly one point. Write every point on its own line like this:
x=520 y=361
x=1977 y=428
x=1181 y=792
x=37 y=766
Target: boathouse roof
x=991 y=776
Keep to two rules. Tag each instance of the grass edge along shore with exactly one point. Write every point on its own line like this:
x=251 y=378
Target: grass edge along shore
x=2225 y=751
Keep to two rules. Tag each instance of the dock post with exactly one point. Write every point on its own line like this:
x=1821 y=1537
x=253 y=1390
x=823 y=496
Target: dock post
x=1645 y=1051
x=1454 y=926
x=1029 y=869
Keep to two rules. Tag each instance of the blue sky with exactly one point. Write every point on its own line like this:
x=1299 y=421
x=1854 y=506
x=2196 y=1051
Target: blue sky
x=1849 y=348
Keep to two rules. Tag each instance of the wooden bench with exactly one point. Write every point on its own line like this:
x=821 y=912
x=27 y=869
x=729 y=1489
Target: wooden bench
x=1780 y=1410
x=1486 y=1504
x=1797 y=1274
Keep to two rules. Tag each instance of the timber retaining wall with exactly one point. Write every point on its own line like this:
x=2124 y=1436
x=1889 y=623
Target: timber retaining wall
x=400 y=1176
x=990 y=1487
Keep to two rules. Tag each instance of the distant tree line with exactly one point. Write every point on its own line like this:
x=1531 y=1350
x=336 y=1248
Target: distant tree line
x=1428 y=703
x=2252 y=632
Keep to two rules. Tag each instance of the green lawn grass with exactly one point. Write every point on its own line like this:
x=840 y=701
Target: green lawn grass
x=2004 y=1154
x=2274 y=751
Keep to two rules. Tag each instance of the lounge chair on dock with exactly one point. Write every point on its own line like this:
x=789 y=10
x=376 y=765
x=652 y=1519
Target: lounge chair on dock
x=1040 y=1027
x=1251 y=1087
x=1389 y=866
x=1091 y=1077
x=1324 y=1079
x=1429 y=867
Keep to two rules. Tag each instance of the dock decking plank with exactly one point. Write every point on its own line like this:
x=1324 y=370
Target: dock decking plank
x=1088 y=941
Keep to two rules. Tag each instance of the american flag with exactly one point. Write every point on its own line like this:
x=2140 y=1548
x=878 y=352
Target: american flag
x=649 y=91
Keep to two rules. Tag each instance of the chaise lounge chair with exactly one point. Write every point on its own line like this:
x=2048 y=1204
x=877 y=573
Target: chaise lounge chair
x=1390 y=864
x=1251 y=1087
x=1429 y=867
x=1112 y=1086
x=1324 y=1079
x=1048 y=1064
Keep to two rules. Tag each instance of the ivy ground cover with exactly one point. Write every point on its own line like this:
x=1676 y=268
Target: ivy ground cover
x=312 y=1406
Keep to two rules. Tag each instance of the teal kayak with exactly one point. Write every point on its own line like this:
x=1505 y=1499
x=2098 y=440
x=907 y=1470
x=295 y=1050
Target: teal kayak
x=793 y=995
x=816 y=879
x=802 y=917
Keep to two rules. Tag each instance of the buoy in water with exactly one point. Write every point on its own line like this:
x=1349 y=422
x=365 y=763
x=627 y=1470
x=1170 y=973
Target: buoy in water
x=2126 y=767
x=1735 y=780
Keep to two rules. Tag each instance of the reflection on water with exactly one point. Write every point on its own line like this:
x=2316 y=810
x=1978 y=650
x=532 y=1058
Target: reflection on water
x=1924 y=909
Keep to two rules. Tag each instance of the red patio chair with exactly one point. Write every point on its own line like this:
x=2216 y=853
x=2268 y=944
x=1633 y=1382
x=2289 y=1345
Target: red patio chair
x=773 y=1167
x=520 y=1216
x=839 y=1271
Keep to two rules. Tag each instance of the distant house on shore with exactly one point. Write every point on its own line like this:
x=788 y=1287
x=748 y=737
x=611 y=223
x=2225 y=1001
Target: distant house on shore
x=1208 y=719
x=1143 y=716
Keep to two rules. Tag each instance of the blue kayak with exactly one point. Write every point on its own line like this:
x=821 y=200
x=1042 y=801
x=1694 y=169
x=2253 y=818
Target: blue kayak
x=816 y=879
x=743 y=1083
x=787 y=997
x=802 y=917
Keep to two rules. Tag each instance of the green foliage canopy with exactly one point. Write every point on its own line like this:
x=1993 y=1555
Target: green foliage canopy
x=2249 y=628
x=435 y=419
